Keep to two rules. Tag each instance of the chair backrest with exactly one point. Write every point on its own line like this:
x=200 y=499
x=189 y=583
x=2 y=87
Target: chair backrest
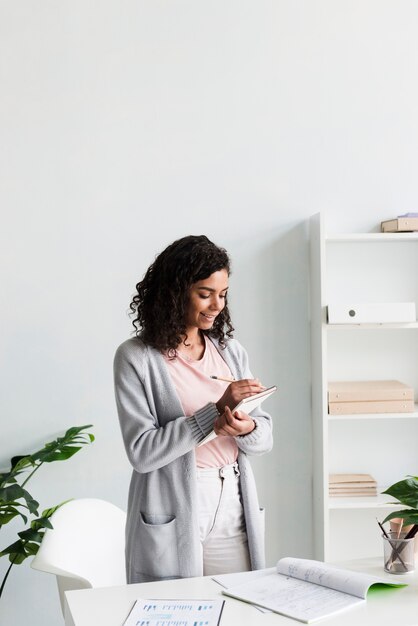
x=86 y=547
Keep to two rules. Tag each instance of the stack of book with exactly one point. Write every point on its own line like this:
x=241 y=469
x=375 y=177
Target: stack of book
x=351 y=485
x=369 y=396
x=407 y=222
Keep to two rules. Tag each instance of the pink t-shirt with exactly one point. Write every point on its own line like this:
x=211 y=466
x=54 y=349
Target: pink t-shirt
x=195 y=388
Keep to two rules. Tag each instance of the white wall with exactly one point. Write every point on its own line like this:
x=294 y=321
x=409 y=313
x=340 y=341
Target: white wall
x=127 y=124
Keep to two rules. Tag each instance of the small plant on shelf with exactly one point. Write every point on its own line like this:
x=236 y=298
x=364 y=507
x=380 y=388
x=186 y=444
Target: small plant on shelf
x=16 y=501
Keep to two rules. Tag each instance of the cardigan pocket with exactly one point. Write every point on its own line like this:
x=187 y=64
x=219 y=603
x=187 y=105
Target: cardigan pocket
x=157 y=546
x=157 y=519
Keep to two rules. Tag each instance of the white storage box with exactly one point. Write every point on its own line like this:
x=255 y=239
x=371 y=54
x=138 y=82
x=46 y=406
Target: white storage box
x=372 y=313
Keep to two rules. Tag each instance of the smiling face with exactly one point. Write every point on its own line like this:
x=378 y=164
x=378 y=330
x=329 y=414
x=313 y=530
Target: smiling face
x=206 y=301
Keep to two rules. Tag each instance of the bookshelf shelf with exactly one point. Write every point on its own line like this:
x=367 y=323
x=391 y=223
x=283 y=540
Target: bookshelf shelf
x=351 y=268
x=371 y=237
x=399 y=326
x=378 y=502
x=375 y=416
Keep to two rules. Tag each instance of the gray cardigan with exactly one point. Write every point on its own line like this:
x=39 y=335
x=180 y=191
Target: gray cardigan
x=162 y=533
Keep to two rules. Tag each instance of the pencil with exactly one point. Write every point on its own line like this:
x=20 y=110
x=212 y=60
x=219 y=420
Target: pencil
x=412 y=532
x=399 y=528
x=226 y=380
x=382 y=529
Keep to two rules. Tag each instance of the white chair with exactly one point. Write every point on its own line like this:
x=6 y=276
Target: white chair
x=86 y=547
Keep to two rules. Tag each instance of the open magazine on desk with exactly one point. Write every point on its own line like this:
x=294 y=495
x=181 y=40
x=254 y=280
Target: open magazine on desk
x=306 y=590
x=247 y=405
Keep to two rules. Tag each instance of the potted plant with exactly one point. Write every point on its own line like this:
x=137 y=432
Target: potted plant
x=16 y=501
x=399 y=542
x=406 y=493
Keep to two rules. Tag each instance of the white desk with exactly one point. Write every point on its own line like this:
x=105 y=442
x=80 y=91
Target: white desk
x=110 y=606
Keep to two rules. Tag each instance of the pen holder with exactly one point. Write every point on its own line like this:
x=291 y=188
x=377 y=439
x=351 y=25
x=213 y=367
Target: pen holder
x=399 y=555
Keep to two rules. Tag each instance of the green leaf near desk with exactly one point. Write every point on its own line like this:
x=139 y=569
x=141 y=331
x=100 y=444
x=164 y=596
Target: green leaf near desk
x=406 y=493
x=17 y=502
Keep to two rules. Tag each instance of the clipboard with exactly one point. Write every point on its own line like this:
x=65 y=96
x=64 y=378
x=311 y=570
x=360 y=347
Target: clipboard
x=247 y=405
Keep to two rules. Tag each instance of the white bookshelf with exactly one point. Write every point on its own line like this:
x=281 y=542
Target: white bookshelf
x=380 y=502
x=361 y=267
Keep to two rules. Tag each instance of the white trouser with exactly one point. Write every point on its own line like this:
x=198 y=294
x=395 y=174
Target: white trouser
x=221 y=521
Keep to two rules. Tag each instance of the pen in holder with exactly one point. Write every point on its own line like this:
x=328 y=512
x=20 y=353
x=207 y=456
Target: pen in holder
x=398 y=551
x=397 y=526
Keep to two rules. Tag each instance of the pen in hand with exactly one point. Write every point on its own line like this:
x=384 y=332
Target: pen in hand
x=226 y=380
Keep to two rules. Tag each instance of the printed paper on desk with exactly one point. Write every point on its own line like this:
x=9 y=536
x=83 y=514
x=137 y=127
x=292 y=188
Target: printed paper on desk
x=247 y=405
x=184 y=612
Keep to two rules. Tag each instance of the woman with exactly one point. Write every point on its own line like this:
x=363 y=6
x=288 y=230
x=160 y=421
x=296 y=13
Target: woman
x=192 y=510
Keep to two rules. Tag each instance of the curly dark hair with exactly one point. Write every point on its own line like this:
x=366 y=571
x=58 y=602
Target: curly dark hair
x=163 y=294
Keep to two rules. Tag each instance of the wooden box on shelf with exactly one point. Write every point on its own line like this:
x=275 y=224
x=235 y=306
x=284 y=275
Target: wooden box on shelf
x=400 y=225
x=369 y=396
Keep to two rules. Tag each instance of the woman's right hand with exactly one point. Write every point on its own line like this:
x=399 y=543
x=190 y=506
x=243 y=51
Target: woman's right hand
x=237 y=391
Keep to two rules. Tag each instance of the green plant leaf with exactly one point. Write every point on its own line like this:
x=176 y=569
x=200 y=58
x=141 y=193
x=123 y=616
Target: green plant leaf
x=48 y=512
x=19 y=551
x=405 y=491
x=15 y=548
x=409 y=516
x=75 y=430
x=13 y=496
x=41 y=522
x=32 y=549
x=60 y=449
x=17 y=559
x=12 y=492
x=15 y=492
x=19 y=463
x=6 y=478
x=31 y=535
x=60 y=454
x=64 y=447
x=9 y=511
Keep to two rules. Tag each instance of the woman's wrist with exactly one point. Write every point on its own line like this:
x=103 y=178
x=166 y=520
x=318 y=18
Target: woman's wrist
x=253 y=427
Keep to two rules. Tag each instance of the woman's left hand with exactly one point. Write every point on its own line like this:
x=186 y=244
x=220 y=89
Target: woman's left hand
x=233 y=424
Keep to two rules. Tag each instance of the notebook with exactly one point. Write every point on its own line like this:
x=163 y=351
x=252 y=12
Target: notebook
x=307 y=590
x=247 y=405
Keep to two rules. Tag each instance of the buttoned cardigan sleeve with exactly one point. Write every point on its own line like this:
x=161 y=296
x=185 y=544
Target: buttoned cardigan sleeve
x=150 y=441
